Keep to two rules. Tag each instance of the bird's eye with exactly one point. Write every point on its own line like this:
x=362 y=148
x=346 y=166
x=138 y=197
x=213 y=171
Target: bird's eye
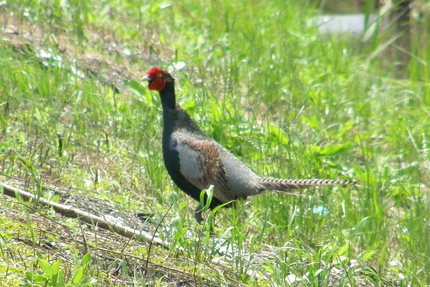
x=159 y=75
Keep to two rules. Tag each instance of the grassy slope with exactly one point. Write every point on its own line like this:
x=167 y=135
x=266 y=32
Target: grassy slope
x=262 y=83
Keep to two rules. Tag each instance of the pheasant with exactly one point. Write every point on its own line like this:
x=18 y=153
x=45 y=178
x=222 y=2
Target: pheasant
x=194 y=161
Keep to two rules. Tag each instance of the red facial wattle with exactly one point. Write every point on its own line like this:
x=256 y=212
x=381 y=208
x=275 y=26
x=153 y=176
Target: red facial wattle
x=158 y=79
x=157 y=84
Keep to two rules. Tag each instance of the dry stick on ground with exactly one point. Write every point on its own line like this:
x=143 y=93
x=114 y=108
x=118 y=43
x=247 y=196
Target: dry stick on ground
x=87 y=217
x=92 y=219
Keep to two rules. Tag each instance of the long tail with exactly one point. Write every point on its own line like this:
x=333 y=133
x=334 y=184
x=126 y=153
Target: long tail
x=283 y=185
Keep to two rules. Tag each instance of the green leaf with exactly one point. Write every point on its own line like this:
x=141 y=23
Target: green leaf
x=88 y=280
x=368 y=255
x=86 y=259
x=79 y=274
x=46 y=267
x=216 y=112
x=332 y=150
x=55 y=267
x=41 y=279
x=60 y=281
x=183 y=205
x=209 y=193
x=137 y=88
x=54 y=280
x=346 y=127
x=312 y=121
x=29 y=276
x=90 y=16
x=343 y=249
x=278 y=134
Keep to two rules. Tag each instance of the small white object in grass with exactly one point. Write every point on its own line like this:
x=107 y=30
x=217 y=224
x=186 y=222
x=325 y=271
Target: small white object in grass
x=43 y=54
x=292 y=278
x=393 y=263
x=320 y=210
x=77 y=72
x=48 y=54
x=177 y=66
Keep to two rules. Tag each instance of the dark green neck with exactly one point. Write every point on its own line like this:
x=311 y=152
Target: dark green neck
x=167 y=95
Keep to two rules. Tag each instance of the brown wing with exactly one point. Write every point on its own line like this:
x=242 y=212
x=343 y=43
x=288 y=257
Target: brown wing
x=201 y=165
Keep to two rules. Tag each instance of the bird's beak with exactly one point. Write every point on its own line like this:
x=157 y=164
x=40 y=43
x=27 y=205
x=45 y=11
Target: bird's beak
x=146 y=79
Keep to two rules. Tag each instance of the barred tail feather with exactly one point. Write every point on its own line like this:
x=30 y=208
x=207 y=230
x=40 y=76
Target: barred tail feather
x=283 y=185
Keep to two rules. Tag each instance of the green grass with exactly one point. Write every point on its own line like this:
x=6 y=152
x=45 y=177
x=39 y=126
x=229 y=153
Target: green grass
x=260 y=81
